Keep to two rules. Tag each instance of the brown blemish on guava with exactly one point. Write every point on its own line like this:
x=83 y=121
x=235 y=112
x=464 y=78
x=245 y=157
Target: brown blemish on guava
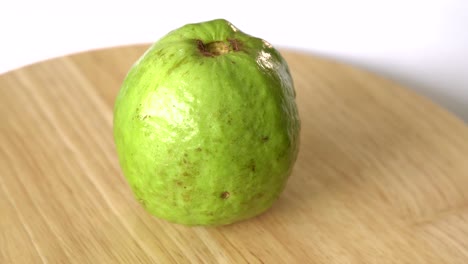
x=251 y=166
x=201 y=47
x=186 y=197
x=265 y=138
x=225 y=195
x=142 y=202
x=179 y=183
x=282 y=154
x=198 y=149
x=186 y=174
x=159 y=52
x=236 y=45
x=177 y=65
x=259 y=195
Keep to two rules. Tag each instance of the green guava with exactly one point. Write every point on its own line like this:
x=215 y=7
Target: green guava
x=206 y=125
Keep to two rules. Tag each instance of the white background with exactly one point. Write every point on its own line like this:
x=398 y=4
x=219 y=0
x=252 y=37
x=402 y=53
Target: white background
x=421 y=44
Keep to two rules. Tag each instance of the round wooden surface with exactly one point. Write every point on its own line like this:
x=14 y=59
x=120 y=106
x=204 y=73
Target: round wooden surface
x=382 y=175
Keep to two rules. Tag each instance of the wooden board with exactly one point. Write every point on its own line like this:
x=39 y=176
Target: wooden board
x=382 y=175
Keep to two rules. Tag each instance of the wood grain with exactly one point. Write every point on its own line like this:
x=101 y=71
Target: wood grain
x=382 y=175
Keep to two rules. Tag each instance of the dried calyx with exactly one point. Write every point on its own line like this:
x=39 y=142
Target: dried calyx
x=216 y=48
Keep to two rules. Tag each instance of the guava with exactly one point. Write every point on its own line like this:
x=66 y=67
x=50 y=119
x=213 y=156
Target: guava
x=206 y=125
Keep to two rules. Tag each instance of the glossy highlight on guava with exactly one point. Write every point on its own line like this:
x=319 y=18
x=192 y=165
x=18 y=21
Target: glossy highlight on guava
x=206 y=125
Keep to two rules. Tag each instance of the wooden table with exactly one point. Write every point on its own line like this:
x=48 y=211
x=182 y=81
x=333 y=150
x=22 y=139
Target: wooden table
x=382 y=175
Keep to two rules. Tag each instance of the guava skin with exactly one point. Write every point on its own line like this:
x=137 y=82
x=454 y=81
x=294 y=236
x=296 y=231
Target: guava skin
x=207 y=135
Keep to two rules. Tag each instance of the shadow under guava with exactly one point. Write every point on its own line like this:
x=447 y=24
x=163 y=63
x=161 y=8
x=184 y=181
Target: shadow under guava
x=353 y=142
